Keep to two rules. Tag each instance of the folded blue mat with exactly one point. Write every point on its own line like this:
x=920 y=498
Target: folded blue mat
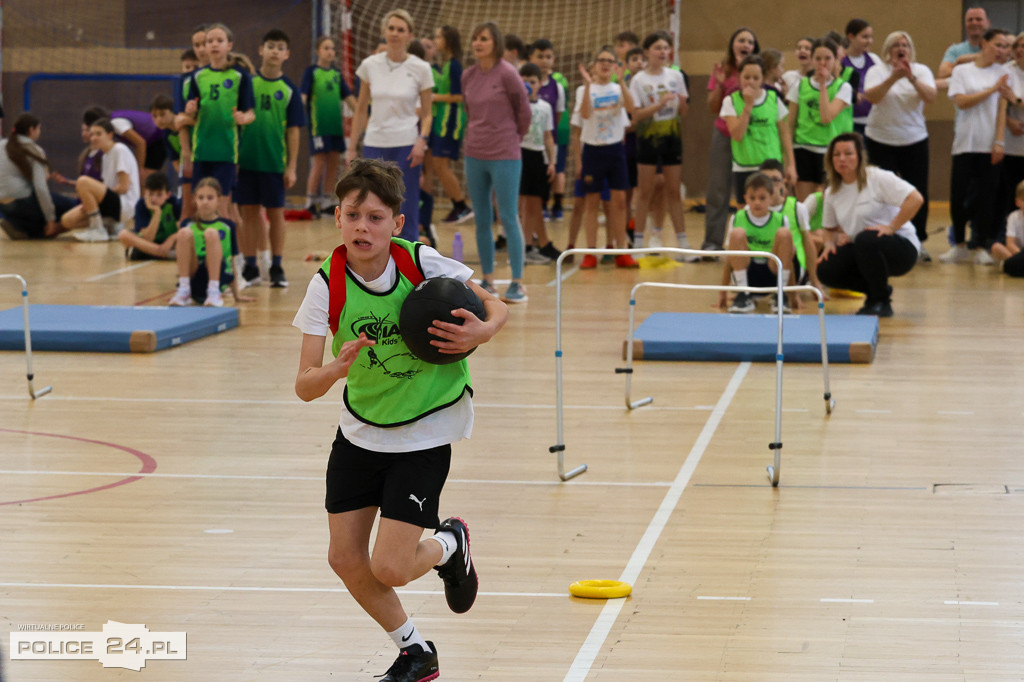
x=111 y=329
x=726 y=337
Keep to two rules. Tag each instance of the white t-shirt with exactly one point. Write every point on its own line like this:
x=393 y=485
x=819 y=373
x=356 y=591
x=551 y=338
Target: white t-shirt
x=1015 y=227
x=729 y=109
x=395 y=95
x=438 y=428
x=541 y=121
x=791 y=78
x=117 y=160
x=1015 y=143
x=877 y=204
x=608 y=119
x=975 y=129
x=647 y=89
x=898 y=120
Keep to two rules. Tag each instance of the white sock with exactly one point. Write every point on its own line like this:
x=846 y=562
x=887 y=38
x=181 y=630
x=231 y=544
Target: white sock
x=407 y=635
x=263 y=256
x=739 y=278
x=95 y=221
x=184 y=284
x=311 y=199
x=785 y=277
x=448 y=543
x=213 y=289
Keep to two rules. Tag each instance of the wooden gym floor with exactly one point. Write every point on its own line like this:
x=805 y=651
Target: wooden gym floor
x=889 y=551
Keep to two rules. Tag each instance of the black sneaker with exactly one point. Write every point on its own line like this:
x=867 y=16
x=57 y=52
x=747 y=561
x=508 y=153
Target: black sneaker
x=743 y=303
x=550 y=251
x=878 y=309
x=250 y=275
x=458 y=573
x=500 y=243
x=277 y=279
x=413 y=665
x=313 y=210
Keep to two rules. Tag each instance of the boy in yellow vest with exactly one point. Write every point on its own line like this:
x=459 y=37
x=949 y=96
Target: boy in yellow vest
x=393 y=445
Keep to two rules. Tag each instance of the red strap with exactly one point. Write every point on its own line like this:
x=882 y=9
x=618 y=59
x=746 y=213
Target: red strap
x=336 y=278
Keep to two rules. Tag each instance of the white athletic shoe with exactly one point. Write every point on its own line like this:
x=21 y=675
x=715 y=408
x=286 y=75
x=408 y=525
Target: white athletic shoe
x=182 y=297
x=92 y=234
x=983 y=257
x=214 y=298
x=957 y=254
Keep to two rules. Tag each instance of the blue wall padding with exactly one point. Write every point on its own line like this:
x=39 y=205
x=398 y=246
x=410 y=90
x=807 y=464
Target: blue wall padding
x=725 y=337
x=111 y=329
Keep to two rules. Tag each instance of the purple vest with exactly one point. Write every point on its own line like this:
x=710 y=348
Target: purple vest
x=142 y=123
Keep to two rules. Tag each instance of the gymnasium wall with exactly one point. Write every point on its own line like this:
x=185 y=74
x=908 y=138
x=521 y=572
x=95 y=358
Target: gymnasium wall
x=147 y=37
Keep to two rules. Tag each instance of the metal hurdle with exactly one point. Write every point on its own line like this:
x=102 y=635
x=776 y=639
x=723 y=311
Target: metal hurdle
x=774 y=469
x=28 y=339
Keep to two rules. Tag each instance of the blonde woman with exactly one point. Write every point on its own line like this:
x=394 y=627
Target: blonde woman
x=398 y=83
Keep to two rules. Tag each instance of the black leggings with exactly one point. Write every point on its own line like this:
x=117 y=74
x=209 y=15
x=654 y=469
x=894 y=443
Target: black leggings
x=973 y=195
x=867 y=263
x=1014 y=265
x=911 y=164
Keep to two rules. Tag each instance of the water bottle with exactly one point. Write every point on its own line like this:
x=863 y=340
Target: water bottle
x=457 y=247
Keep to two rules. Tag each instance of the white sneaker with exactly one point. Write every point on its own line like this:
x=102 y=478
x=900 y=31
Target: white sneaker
x=92 y=234
x=983 y=257
x=924 y=256
x=214 y=298
x=683 y=242
x=957 y=254
x=652 y=238
x=182 y=297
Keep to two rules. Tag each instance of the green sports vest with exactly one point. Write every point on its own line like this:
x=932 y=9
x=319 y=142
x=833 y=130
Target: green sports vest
x=562 y=133
x=819 y=211
x=325 y=103
x=761 y=141
x=809 y=128
x=789 y=211
x=387 y=385
x=225 y=230
x=759 y=238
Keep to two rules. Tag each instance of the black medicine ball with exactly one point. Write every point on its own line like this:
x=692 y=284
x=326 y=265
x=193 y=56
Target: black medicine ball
x=434 y=299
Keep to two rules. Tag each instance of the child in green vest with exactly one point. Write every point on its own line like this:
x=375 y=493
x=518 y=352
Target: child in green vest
x=393 y=446
x=155 y=230
x=206 y=248
x=756 y=227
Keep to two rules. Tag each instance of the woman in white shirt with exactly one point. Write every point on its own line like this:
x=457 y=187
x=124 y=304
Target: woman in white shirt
x=398 y=84
x=896 y=137
x=868 y=234
x=976 y=87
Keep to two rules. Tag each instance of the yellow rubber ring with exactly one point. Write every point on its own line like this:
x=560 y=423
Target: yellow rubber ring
x=600 y=589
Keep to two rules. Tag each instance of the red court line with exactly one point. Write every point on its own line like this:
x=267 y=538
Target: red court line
x=153 y=298
x=148 y=466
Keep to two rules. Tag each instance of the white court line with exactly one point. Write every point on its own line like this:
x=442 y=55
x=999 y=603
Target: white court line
x=599 y=632
x=127 y=268
x=296 y=402
x=958 y=602
x=235 y=588
x=957 y=413
x=873 y=411
x=840 y=600
x=710 y=598
x=254 y=477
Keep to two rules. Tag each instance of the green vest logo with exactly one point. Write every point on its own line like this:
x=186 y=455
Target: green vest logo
x=388 y=340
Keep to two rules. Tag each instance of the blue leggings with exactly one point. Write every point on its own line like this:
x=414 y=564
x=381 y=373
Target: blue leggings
x=503 y=177
x=411 y=177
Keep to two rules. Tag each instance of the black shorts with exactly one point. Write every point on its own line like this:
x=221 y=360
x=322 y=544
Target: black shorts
x=810 y=166
x=664 y=150
x=533 y=182
x=761 y=275
x=110 y=205
x=201 y=278
x=406 y=486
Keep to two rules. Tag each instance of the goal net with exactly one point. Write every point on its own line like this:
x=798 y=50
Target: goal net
x=577 y=29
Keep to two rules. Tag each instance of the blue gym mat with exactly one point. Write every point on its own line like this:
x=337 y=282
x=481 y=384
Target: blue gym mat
x=713 y=336
x=111 y=329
